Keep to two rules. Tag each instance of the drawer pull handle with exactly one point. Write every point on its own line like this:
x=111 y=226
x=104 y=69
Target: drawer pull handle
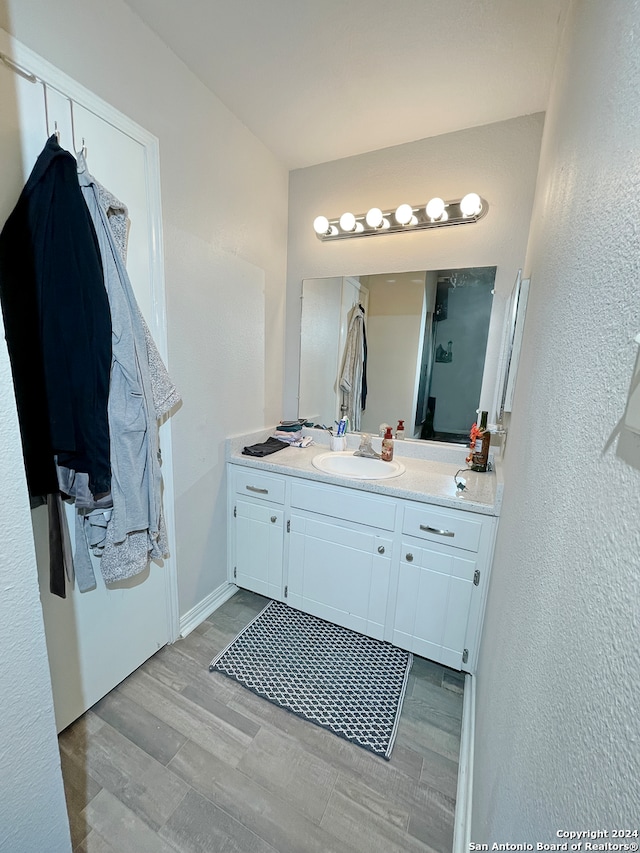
x=256 y=489
x=274 y=518
x=409 y=558
x=428 y=529
x=380 y=549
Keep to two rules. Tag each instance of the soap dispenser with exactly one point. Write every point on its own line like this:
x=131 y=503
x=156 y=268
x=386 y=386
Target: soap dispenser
x=400 y=431
x=387 y=446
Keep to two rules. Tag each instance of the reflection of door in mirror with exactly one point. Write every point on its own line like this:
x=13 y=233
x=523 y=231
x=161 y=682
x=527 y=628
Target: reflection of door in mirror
x=426 y=339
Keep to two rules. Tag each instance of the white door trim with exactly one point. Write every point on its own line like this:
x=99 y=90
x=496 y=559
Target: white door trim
x=56 y=79
x=464 y=795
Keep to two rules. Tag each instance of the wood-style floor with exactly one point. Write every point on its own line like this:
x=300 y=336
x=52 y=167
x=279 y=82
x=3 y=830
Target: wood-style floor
x=180 y=759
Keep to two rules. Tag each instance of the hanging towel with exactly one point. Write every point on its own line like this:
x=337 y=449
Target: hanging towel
x=165 y=393
x=58 y=330
x=350 y=380
x=135 y=531
x=57 y=325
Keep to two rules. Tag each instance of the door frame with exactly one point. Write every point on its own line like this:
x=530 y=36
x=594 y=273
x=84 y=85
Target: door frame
x=30 y=62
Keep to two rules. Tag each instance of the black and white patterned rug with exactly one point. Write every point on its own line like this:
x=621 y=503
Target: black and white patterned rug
x=334 y=677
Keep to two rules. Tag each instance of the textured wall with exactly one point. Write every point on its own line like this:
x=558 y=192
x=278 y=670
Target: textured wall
x=224 y=202
x=558 y=729
x=499 y=161
x=33 y=814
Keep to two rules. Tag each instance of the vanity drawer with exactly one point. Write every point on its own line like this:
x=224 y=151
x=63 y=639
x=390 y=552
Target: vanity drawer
x=344 y=504
x=458 y=529
x=259 y=485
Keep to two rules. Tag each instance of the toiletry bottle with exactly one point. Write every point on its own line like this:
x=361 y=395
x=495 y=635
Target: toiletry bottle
x=400 y=431
x=483 y=441
x=387 y=446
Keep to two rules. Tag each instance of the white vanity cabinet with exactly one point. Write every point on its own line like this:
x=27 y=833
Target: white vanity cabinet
x=442 y=581
x=340 y=550
x=410 y=573
x=256 y=543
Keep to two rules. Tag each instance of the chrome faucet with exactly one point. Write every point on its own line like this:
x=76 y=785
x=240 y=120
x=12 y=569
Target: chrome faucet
x=366 y=448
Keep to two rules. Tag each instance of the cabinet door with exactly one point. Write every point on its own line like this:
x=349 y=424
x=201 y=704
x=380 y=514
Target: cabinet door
x=339 y=573
x=258 y=534
x=435 y=593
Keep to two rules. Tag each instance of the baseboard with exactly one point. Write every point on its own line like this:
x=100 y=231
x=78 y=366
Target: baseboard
x=206 y=607
x=462 y=820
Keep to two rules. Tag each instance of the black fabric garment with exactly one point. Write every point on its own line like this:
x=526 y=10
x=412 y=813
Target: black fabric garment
x=57 y=326
x=55 y=509
x=363 y=390
x=264 y=448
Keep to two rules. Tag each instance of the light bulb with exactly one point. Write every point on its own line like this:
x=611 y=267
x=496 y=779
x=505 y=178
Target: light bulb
x=348 y=222
x=321 y=225
x=374 y=218
x=471 y=204
x=435 y=209
x=404 y=213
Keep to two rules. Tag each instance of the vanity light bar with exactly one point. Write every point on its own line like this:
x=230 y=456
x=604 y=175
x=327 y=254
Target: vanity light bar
x=434 y=214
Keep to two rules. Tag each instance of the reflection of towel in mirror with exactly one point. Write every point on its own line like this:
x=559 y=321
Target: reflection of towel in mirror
x=350 y=380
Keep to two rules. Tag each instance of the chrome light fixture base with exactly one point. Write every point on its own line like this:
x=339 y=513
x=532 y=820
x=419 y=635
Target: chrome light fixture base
x=453 y=214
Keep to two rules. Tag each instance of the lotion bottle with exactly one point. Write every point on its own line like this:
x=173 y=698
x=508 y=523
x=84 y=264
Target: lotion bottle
x=483 y=442
x=387 y=446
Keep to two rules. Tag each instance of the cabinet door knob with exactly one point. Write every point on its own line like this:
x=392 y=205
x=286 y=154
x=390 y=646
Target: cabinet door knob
x=409 y=558
x=274 y=518
x=380 y=549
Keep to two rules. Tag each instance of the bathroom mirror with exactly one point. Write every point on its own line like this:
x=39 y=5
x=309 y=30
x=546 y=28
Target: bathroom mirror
x=426 y=337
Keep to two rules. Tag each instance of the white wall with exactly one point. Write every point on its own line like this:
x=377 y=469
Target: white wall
x=32 y=807
x=225 y=266
x=499 y=161
x=558 y=730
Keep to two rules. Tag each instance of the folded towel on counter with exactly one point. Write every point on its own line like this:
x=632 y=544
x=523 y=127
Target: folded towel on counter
x=305 y=441
x=293 y=426
x=264 y=448
x=293 y=439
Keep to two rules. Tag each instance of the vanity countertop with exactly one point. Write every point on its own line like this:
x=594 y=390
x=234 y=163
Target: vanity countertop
x=428 y=478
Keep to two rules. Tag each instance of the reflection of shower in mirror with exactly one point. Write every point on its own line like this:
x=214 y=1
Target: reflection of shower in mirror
x=445 y=356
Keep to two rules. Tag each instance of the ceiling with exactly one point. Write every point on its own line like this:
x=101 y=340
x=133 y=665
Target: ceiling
x=317 y=81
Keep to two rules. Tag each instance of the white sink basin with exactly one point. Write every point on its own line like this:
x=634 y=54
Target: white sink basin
x=346 y=464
